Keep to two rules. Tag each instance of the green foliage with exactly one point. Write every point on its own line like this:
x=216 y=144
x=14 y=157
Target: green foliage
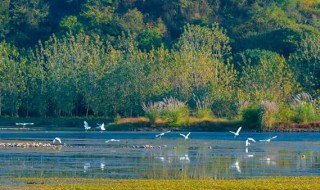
x=174 y=110
x=304 y=108
x=108 y=57
x=250 y=116
x=304 y=113
x=71 y=24
x=265 y=75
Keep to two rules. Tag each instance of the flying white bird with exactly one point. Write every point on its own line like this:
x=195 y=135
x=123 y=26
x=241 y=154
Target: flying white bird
x=24 y=124
x=236 y=133
x=249 y=139
x=86 y=126
x=101 y=127
x=57 y=139
x=237 y=166
x=161 y=134
x=112 y=140
x=185 y=136
x=268 y=140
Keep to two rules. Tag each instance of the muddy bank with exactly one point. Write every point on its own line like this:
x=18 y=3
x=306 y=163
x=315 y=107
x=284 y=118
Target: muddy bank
x=298 y=127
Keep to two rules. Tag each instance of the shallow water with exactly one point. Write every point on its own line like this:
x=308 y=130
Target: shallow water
x=205 y=155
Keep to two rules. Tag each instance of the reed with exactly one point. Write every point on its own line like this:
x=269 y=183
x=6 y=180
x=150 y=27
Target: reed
x=203 y=107
x=174 y=109
x=152 y=110
x=267 y=114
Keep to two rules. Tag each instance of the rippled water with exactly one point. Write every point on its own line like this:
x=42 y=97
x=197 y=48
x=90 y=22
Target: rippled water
x=204 y=155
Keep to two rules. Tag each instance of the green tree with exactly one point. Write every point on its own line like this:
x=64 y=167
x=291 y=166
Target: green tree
x=12 y=66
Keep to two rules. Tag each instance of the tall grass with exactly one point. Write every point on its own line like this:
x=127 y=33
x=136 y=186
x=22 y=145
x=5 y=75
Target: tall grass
x=174 y=109
x=267 y=114
x=304 y=108
x=153 y=110
x=203 y=107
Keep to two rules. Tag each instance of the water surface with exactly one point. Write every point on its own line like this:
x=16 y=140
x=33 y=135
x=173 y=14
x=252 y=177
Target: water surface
x=205 y=155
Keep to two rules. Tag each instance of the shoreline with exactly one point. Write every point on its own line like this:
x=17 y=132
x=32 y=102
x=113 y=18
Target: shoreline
x=142 y=124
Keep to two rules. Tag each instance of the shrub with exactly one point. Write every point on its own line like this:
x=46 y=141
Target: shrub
x=250 y=116
x=267 y=114
x=304 y=108
x=153 y=111
x=174 y=109
x=285 y=114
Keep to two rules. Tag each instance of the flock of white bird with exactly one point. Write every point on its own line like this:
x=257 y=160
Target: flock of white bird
x=101 y=127
x=250 y=139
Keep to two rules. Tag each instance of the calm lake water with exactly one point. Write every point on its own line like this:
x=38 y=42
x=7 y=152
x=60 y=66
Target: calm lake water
x=205 y=155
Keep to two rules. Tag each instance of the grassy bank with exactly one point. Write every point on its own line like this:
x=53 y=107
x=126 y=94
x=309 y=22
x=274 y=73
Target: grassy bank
x=79 y=184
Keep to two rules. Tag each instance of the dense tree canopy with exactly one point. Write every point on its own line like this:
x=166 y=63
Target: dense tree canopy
x=108 y=57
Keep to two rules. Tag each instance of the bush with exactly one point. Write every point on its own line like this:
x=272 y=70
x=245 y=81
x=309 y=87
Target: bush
x=285 y=114
x=174 y=109
x=304 y=108
x=304 y=113
x=250 y=116
x=153 y=111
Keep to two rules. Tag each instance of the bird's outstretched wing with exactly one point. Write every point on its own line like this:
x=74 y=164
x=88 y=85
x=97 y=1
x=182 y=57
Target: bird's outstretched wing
x=183 y=135
x=188 y=134
x=262 y=140
x=273 y=137
x=232 y=132
x=57 y=139
x=251 y=139
x=239 y=129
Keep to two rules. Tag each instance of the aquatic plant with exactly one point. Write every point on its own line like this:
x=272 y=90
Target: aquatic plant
x=203 y=107
x=174 y=109
x=267 y=113
x=304 y=108
x=152 y=110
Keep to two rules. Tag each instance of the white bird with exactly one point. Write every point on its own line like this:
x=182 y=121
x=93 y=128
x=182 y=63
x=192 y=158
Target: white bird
x=185 y=136
x=249 y=139
x=86 y=126
x=237 y=166
x=101 y=127
x=102 y=166
x=112 y=140
x=24 y=124
x=161 y=134
x=184 y=158
x=57 y=139
x=268 y=140
x=86 y=167
x=236 y=133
